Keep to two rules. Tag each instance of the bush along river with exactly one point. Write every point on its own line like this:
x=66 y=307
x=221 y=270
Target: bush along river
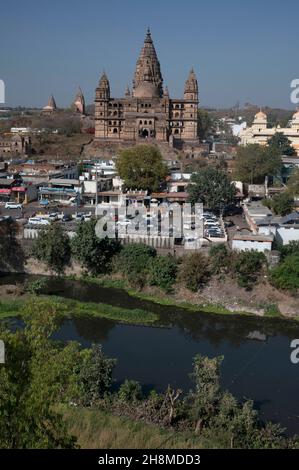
x=256 y=350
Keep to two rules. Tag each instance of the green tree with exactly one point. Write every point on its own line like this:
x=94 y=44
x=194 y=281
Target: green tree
x=206 y=124
x=141 y=167
x=134 y=261
x=162 y=271
x=286 y=274
x=52 y=247
x=94 y=253
x=38 y=374
x=194 y=271
x=282 y=204
x=280 y=142
x=95 y=375
x=206 y=393
x=254 y=162
x=212 y=187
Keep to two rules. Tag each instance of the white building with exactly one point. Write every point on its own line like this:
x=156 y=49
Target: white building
x=260 y=133
x=248 y=242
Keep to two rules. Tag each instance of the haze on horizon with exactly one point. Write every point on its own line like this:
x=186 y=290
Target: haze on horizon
x=240 y=52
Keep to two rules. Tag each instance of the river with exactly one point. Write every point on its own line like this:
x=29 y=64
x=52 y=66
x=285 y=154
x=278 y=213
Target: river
x=256 y=350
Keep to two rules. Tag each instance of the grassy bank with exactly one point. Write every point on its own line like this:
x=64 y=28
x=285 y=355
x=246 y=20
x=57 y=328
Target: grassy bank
x=96 y=429
x=163 y=299
x=10 y=308
x=73 y=308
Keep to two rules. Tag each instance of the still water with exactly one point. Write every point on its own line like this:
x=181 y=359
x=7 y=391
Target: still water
x=256 y=350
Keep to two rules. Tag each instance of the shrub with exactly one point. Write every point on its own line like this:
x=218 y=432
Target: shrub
x=247 y=265
x=35 y=287
x=286 y=275
x=194 y=271
x=220 y=258
x=130 y=391
x=291 y=249
x=162 y=271
x=133 y=262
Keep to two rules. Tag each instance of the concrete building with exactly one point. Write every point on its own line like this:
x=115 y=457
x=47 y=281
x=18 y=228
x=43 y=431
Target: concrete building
x=247 y=242
x=260 y=133
x=147 y=111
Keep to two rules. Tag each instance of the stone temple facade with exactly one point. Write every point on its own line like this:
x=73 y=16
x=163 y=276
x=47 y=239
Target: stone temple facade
x=147 y=112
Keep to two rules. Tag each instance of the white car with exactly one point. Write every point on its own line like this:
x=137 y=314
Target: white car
x=211 y=222
x=13 y=205
x=53 y=216
x=38 y=221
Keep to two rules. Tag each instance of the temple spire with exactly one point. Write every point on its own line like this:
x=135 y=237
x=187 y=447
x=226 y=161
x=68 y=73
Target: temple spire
x=148 y=73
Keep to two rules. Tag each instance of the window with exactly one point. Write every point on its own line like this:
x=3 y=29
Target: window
x=115 y=131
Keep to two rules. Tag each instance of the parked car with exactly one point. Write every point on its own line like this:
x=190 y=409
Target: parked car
x=211 y=222
x=44 y=202
x=79 y=216
x=13 y=205
x=66 y=218
x=38 y=221
x=53 y=216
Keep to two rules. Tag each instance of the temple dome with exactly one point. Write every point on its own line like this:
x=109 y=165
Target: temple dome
x=296 y=115
x=147 y=90
x=260 y=116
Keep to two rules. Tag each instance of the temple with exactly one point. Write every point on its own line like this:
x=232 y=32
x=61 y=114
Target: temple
x=147 y=111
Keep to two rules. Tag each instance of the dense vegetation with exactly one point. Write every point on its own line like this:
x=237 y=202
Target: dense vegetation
x=140 y=265
x=44 y=381
x=254 y=162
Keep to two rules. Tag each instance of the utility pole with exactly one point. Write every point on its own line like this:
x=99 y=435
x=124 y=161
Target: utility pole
x=96 y=211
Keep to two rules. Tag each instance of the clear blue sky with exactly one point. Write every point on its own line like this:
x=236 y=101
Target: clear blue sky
x=245 y=51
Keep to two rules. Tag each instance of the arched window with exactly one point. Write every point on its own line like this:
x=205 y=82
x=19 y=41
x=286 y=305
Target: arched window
x=150 y=123
x=177 y=114
x=140 y=122
x=176 y=131
x=115 y=131
x=145 y=122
